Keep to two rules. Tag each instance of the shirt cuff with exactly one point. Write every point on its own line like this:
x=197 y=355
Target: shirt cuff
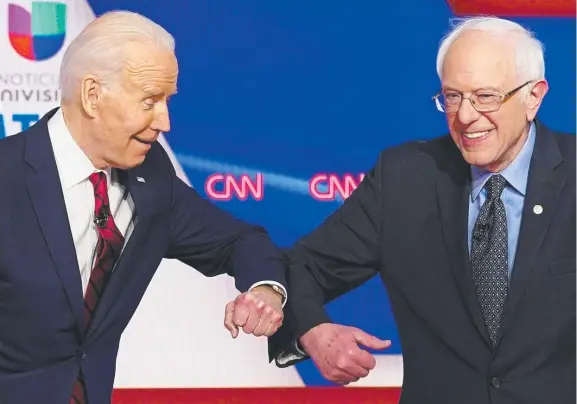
x=300 y=351
x=291 y=357
x=272 y=283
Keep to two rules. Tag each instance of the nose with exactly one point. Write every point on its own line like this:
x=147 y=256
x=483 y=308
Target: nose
x=161 y=120
x=467 y=113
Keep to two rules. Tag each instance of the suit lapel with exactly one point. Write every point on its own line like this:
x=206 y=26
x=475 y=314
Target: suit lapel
x=545 y=182
x=124 y=267
x=44 y=188
x=453 y=192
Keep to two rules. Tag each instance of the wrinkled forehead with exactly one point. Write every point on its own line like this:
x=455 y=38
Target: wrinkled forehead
x=479 y=61
x=151 y=69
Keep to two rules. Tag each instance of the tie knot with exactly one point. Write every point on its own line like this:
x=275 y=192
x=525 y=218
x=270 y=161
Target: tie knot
x=495 y=186
x=96 y=177
x=98 y=181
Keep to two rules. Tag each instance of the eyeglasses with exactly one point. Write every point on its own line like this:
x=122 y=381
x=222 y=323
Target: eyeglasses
x=482 y=101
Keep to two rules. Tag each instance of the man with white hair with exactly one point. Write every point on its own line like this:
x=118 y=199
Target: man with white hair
x=472 y=233
x=90 y=206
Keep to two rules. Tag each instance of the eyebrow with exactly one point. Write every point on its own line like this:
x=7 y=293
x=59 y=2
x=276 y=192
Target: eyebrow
x=487 y=88
x=154 y=91
x=158 y=93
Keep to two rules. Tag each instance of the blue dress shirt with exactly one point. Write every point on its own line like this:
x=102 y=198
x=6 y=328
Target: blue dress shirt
x=513 y=195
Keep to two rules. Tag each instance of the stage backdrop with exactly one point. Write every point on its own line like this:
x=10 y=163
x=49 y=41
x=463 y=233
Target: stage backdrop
x=286 y=89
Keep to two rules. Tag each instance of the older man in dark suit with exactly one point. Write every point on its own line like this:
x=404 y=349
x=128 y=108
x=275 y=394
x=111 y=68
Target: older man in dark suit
x=90 y=204
x=472 y=233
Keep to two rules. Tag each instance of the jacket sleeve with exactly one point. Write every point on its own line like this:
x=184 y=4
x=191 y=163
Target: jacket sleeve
x=214 y=242
x=339 y=255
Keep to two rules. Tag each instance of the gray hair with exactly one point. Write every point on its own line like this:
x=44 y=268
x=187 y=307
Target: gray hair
x=101 y=46
x=529 y=51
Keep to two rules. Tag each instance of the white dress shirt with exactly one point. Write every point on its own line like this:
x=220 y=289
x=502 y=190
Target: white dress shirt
x=74 y=168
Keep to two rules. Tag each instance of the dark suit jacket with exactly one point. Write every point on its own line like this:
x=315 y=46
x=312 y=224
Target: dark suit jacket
x=407 y=222
x=42 y=341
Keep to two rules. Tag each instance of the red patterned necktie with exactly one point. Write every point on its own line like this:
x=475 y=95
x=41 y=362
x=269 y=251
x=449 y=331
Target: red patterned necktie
x=108 y=248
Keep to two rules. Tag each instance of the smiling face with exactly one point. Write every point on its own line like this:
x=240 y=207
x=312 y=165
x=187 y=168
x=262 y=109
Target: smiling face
x=483 y=64
x=128 y=117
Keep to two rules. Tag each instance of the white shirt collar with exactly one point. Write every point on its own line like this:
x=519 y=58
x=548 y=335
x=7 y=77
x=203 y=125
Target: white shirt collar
x=73 y=165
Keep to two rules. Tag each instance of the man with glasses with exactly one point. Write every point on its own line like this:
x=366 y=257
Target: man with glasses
x=473 y=235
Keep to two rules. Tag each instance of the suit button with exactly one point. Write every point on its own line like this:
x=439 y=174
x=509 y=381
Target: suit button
x=495 y=382
x=82 y=355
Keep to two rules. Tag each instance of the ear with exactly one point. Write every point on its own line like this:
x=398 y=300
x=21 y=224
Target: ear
x=535 y=98
x=91 y=94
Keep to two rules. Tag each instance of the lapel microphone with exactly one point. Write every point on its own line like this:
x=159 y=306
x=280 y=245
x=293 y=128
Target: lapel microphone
x=101 y=219
x=481 y=231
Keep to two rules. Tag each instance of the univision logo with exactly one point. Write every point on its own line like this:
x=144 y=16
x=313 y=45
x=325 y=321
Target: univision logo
x=39 y=34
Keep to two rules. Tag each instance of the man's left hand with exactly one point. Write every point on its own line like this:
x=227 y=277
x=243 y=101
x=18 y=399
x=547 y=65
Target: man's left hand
x=257 y=312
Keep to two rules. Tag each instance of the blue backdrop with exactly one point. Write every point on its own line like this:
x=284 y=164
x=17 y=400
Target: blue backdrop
x=300 y=87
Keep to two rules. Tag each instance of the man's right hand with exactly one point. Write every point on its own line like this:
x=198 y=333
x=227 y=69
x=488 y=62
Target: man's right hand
x=335 y=351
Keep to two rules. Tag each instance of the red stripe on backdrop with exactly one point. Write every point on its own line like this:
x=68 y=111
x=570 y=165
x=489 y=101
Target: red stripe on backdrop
x=310 y=395
x=515 y=8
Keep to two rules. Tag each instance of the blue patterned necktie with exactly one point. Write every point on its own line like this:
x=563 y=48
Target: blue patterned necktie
x=489 y=256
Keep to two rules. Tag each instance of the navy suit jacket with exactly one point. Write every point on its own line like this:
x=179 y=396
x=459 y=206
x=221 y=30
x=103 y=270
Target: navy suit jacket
x=42 y=341
x=407 y=222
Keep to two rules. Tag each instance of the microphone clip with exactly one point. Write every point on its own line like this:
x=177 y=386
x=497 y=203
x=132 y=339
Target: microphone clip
x=101 y=219
x=481 y=231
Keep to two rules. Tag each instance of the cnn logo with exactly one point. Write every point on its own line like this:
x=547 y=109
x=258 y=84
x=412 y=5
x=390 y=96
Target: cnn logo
x=223 y=187
x=326 y=187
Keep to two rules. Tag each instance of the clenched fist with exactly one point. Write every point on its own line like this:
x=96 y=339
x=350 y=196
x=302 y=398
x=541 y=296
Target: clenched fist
x=257 y=312
x=335 y=350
